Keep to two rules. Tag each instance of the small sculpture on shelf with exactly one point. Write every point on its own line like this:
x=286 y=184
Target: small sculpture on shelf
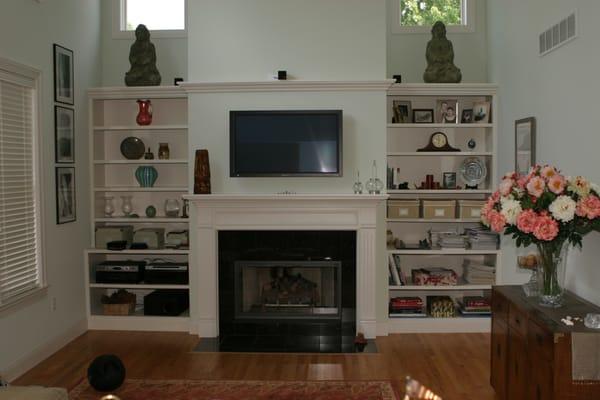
x=150 y=211
x=163 y=151
x=144 y=116
x=142 y=56
x=358 y=186
x=109 y=207
x=374 y=185
x=440 y=58
x=126 y=205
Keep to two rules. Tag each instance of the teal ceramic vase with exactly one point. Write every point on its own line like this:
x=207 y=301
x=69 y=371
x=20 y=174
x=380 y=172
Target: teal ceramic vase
x=146 y=175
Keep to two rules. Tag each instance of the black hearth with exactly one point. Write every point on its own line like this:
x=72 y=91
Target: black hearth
x=287 y=291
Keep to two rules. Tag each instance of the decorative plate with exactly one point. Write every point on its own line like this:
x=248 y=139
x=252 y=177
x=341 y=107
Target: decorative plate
x=133 y=148
x=473 y=171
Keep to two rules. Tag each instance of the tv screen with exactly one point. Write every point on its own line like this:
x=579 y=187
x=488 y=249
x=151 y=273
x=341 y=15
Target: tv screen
x=286 y=143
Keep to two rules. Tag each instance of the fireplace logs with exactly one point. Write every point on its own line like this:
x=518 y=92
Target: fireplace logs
x=288 y=290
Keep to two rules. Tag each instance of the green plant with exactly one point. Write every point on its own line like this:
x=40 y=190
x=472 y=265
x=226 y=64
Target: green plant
x=428 y=12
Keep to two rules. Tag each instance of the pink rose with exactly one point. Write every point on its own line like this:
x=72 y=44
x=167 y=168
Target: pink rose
x=589 y=207
x=497 y=221
x=526 y=221
x=546 y=228
x=536 y=186
x=557 y=184
x=548 y=172
x=506 y=187
x=522 y=181
x=495 y=196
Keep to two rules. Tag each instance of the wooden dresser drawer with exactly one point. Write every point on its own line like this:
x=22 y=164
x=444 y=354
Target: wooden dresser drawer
x=517 y=320
x=540 y=341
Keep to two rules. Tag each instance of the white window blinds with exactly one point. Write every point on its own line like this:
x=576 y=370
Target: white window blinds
x=19 y=256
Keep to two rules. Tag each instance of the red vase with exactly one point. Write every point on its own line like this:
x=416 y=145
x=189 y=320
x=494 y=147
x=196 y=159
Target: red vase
x=144 y=116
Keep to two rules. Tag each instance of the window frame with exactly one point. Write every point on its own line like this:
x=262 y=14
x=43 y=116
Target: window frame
x=468 y=11
x=119 y=8
x=31 y=77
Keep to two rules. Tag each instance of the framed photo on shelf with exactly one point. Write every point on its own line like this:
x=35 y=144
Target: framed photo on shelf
x=423 y=116
x=64 y=135
x=402 y=112
x=64 y=84
x=481 y=112
x=449 y=181
x=467 y=116
x=66 y=208
x=524 y=144
x=447 y=111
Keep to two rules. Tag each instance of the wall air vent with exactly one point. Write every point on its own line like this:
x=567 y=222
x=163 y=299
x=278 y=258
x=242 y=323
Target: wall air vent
x=559 y=34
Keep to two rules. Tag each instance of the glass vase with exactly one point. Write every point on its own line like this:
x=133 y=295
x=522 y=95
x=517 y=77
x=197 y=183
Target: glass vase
x=552 y=273
x=126 y=205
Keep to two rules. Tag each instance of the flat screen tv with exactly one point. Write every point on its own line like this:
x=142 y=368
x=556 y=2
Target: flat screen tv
x=285 y=143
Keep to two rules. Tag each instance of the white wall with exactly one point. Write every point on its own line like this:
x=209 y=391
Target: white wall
x=406 y=51
x=27 y=31
x=245 y=40
x=561 y=90
x=171 y=53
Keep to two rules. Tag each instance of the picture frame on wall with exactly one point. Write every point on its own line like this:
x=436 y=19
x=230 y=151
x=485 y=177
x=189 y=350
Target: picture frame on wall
x=423 y=116
x=64 y=81
x=66 y=207
x=402 y=112
x=525 y=142
x=64 y=135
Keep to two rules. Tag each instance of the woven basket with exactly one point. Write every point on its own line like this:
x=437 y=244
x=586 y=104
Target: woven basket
x=119 y=309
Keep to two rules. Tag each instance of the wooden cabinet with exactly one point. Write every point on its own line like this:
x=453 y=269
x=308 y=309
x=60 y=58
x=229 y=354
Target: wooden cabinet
x=531 y=348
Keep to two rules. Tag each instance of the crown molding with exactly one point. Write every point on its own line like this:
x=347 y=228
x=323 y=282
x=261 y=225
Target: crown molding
x=137 y=92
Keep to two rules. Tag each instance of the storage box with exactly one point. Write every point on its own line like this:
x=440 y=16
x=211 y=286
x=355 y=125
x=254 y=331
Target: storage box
x=107 y=234
x=153 y=238
x=470 y=208
x=403 y=209
x=118 y=309
x=439 y=209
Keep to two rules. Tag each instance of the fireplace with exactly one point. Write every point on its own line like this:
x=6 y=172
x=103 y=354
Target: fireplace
x=287 y=291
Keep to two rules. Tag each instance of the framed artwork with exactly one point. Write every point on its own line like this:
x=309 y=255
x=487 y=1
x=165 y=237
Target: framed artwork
x=447 y=111
x=524 y=144
x=64 y=135
x=63 y=75
x=66 y=209
x=467 y=116
x=423 y=116
x=481 y=112
x=402 y=112
x=449 y=180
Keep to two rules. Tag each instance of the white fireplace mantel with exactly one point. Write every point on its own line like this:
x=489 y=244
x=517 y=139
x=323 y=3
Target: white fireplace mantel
x=211 y=213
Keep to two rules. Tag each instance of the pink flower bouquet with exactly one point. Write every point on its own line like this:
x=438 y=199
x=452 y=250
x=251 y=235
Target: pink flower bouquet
x=548 y=210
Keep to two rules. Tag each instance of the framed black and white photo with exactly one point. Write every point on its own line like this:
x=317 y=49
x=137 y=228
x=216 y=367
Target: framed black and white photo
x=447 y=111
x=402 y=112
x=423 y=116
x=467 y=116
x=64 y=84
x=481 y=112
x=524 y=145
x=64 y=135
x=66 y=209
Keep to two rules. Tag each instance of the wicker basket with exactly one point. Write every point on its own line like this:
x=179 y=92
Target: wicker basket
x=119 y=309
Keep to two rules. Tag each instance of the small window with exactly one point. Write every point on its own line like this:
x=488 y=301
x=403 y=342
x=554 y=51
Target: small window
x=164 y=18
x=21 y=271
x=418 y=16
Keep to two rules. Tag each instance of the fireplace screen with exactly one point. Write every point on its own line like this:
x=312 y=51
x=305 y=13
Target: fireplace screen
x=287 y=289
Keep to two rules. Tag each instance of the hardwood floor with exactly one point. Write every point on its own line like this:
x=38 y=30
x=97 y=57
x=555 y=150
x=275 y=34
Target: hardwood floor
x=454 y=365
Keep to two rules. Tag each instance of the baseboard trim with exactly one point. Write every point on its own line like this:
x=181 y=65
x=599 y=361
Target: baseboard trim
x=42 y=352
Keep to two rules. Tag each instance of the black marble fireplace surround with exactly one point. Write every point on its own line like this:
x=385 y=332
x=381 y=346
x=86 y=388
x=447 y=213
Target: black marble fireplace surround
x=287 y=291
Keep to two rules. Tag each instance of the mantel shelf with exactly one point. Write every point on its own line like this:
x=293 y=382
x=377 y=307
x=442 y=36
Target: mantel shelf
x=119 y=128
x=141 y=162
x=137 y=189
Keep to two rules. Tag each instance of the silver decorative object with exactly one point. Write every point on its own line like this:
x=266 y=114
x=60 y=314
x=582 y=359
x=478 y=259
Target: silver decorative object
x=358 y=186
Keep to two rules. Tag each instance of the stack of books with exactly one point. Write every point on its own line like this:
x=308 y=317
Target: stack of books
x=475 y=306
x=477 y=273
x=396 y=276
x=482 y=239
x=436 y=236
x=453 y=242
x=407 y=307
x=434 y=277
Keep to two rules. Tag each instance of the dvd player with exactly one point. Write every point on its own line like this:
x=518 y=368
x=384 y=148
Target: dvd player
x=167 y=273
x=120 y=272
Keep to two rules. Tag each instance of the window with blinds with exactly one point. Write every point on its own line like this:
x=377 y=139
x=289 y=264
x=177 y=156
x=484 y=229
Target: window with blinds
x=20 y=263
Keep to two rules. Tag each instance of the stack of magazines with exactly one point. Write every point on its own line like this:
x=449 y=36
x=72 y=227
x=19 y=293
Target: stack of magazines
x=446 y=238
x=475 y=306
x=482 y=239
x=434 y=277
x=477 y=273
x=407 y=307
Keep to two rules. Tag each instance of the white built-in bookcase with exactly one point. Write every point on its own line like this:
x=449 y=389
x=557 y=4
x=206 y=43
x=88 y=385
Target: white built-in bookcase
x=403 y=140
x=113 y=114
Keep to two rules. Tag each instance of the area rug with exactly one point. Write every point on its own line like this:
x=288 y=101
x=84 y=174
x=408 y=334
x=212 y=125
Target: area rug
x=237 y=390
